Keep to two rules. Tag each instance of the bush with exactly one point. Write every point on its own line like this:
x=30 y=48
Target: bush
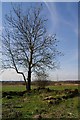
x=41 y=79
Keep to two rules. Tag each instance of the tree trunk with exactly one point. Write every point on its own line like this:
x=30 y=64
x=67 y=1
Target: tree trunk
x=29 y=70
x=29 y=80
x=26 y=85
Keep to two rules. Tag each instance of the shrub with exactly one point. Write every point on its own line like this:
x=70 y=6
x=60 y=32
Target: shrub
x=41 y=79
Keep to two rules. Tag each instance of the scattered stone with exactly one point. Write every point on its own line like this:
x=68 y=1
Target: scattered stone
x=13 y=93
x=4 y=94
x=58 y=98
x=50 y=101
x=25 y=99
x=71 y=95
x=65 y=97
x=39 y=117
x=66 y=91
x=9 y=97
x=69 y=114
x=49 y=98
x=18 y=106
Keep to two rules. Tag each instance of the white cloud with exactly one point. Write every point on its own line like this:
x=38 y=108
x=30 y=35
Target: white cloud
x=58 y=20
x=10 y=75
x=54 y=16
x=62 y=74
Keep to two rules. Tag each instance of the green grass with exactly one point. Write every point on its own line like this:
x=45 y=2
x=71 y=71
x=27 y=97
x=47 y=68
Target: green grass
x=6 y=88
x=34 y=104
x=22 y=87
x=62 y=87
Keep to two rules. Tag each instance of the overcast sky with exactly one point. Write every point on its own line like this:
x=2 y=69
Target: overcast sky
x=62 y=20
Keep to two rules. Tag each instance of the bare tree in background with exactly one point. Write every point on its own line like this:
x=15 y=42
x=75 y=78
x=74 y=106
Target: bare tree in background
x=27 y=44
x=42 y=79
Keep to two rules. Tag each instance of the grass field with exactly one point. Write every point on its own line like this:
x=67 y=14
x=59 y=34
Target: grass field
x=34 y=104
x=22 y=87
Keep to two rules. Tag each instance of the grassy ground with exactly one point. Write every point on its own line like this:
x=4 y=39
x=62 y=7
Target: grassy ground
x=31 y=105
x=22 y=87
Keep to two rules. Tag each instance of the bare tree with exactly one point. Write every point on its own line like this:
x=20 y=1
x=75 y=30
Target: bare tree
x=26 y=43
